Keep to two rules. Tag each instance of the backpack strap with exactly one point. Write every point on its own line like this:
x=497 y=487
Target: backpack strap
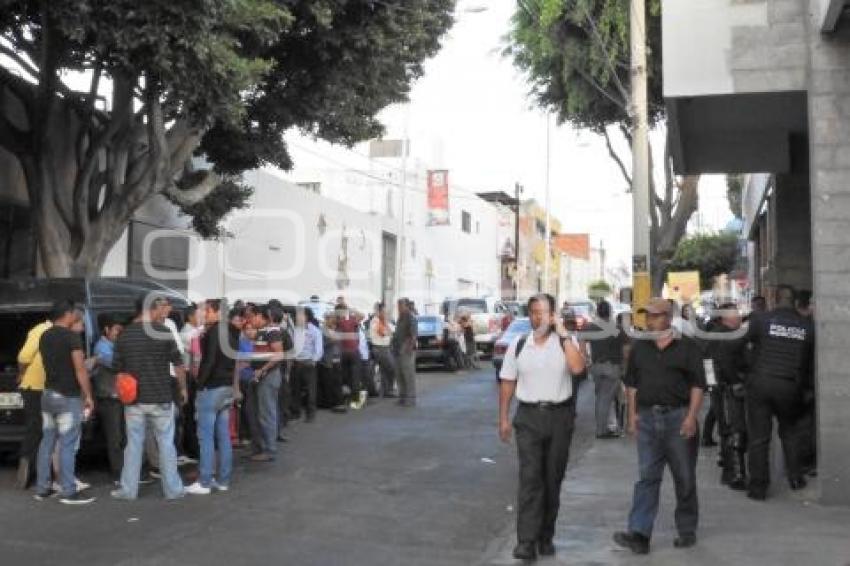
x=521 y=344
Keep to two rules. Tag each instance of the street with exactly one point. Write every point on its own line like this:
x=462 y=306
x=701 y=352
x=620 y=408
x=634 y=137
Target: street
x=387 y=485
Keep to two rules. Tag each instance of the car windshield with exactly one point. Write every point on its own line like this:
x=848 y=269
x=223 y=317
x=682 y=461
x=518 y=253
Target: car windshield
x=519 y=326
x=473 y=306
x=427 y=324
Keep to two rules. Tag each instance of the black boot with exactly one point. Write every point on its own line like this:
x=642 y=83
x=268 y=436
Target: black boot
x=525 y=551
x=738 y=461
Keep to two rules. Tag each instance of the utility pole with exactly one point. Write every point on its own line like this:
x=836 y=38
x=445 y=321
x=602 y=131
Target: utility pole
x=548 y=241
x=641 y=285
x=517 y=193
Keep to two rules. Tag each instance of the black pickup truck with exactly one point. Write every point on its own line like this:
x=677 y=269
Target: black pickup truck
x=25 y=303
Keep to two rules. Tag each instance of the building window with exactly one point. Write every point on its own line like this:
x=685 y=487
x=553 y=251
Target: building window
x=312 y=187
x=466 y=222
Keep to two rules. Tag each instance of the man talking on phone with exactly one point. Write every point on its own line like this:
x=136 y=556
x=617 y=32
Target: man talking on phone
x=665 y=384
x=538 y=369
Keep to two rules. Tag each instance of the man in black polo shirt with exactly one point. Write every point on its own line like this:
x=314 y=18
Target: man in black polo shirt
x=665 y=383
x=145 y=350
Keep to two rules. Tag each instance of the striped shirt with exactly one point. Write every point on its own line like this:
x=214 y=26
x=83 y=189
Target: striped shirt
x=148 y=358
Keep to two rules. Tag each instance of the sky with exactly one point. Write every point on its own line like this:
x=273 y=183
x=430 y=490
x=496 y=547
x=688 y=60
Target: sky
x=471 y=114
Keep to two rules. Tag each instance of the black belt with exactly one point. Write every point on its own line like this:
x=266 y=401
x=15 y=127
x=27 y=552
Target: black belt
x=662 y=409
x=545 y=404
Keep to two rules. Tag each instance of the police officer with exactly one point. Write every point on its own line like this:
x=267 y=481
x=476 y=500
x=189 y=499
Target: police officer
x=539 y=369
x=729 y=356
x=783 y=344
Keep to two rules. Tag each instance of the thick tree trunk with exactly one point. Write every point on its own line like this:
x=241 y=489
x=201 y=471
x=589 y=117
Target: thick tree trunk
x=86 y=176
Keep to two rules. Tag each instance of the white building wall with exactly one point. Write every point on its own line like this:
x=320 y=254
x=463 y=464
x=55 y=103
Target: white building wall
x=439 y=261
x=289 y=244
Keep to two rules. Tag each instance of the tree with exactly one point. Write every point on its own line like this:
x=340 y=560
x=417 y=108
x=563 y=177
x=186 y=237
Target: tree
x=575 y=54
x=166 y=81
x=710 y=254
x=598 y=289
x=735 y=194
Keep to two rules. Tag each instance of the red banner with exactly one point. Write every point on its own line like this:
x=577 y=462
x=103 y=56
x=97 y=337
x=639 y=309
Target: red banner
x=438 y=198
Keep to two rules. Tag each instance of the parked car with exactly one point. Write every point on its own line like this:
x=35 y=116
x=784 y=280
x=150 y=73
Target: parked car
x=486 y=313
x=518 y=327
x=578 y=313
x=431 y=343
x=25 y=303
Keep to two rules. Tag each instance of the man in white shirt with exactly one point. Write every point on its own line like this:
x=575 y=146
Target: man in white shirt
x=380 y=335
x=538 y=369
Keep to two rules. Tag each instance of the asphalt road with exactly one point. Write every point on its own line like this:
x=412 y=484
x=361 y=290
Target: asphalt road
x=386 y=485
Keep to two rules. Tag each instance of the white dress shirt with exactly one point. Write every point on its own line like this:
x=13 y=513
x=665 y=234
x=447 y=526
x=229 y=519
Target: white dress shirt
x=541 y=371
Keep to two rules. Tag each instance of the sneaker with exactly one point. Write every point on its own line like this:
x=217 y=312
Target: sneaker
x=220 y=486
x=76 y=498
x=145 y=480
x=43 y=495
x=119 y=494
x=685 y=541
x=262 y=457
x=197 y=489
x=78 y=484
x=155 y=474
x=635 y=542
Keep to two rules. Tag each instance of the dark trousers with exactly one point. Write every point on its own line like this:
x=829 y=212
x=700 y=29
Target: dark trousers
x=351 y=370
x=244 y=413
x=543 y=437
x=288 y=408
x=732 y=424
x=386 y=362
x=661 y=444
x=252 y=411
x=329 y=386
x=110 y=413
x=32 y=424
x=769 y=397
x=711 y=417
x=304 y=388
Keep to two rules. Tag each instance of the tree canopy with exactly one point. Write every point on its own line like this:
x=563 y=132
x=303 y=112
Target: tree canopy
x=598 y=289
x=710 y=254
x=103 y=103
x=576 y=57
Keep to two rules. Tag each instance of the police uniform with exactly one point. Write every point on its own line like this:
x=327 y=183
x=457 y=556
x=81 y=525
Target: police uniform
x=783 y=344
x=543 y=425
x=729 y=358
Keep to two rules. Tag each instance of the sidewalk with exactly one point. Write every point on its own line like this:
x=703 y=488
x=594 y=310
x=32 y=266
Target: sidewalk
x=788 y=529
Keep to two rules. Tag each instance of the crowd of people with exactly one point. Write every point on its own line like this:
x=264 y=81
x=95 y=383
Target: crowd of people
x=171 y=388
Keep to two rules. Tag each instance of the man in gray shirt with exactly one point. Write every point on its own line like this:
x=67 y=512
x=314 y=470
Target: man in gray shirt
x=404 y=347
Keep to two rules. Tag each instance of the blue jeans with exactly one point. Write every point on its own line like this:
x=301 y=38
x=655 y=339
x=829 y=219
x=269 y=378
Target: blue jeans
x=659 y=442
x=212 y=413
x=160 y=417
x=61 y=419
x=267 y=399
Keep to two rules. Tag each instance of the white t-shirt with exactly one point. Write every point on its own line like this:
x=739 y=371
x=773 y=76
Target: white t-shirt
x=541 y=372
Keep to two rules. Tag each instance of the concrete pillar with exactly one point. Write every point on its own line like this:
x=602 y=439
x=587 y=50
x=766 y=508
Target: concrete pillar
x=793 y=259
x=829 y=134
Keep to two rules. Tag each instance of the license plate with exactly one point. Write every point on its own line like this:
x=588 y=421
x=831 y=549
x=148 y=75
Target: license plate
x=11 y=401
